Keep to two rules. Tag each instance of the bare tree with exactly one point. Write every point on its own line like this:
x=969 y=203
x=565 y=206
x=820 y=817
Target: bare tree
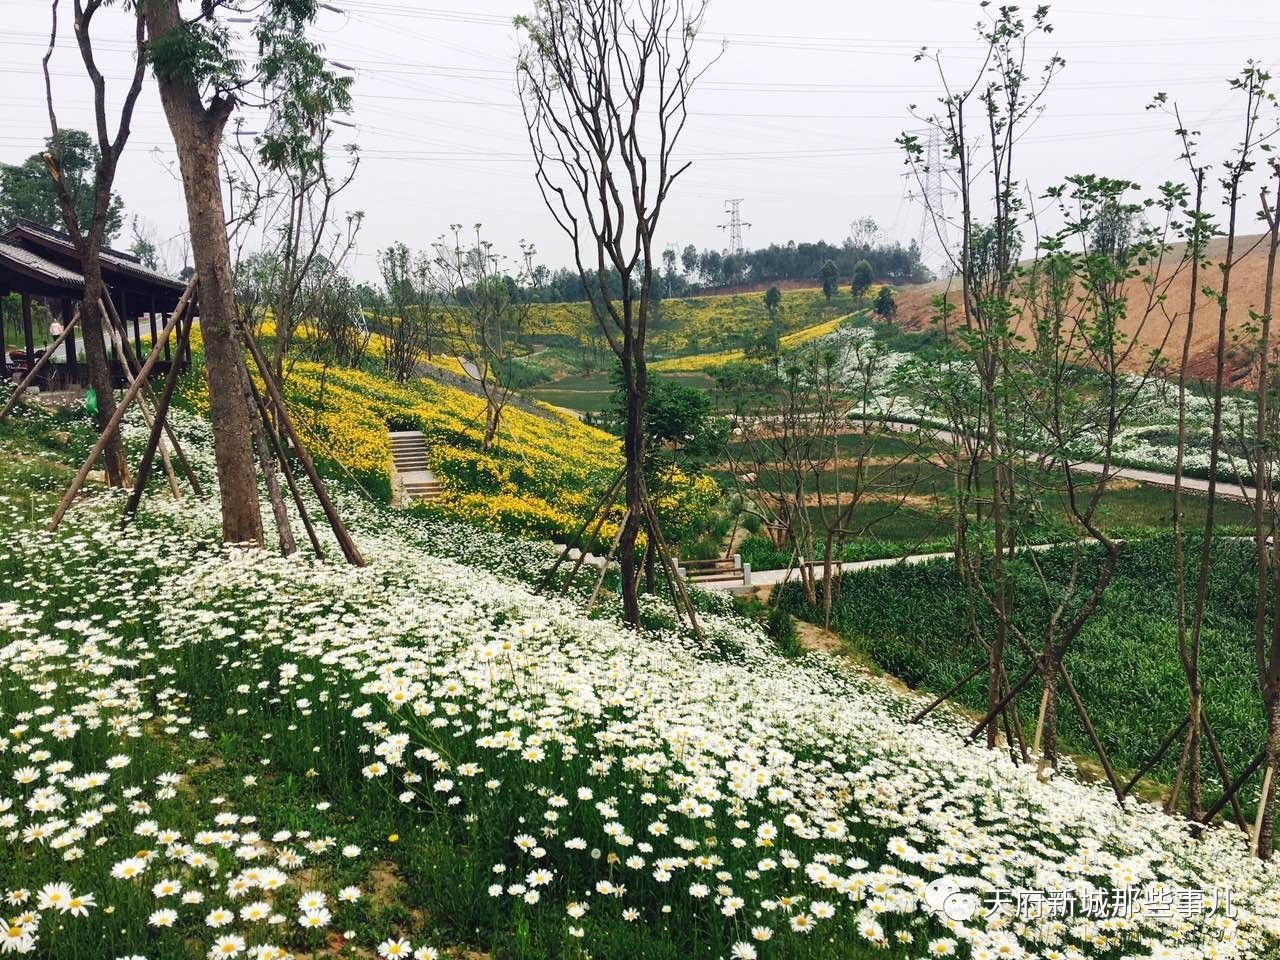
x=484 y=312
x=89 y=238
x=605 y=86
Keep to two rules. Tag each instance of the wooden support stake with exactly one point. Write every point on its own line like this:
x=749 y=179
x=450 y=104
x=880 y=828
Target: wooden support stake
x=1218 y=762
x=184 y=335
x=266 y=461
x=1256 y=835
x=148 y=455
x=1165 y=744
x=607 y=496
x=678 y=592
x=604 y=567
x=1044 y=708
x=282 y=457
x=1004 y=701
x=1175 y=795
x=285 y=422
x=940 y=700
x=1239 y=782
x=121 y=410
x=130 y=377
x=1089 y=729
x=37 y=366
x=602 y=514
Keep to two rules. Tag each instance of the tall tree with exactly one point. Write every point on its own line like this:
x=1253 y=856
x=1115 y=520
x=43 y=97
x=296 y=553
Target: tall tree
x=28 y=193
x=202 y=79
x=830 y=277
x=89 y=235
x=605 y=86
x=863 y=276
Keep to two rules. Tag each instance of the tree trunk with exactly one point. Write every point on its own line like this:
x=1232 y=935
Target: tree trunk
x=1266 y=833
x=633 y=450
x=197 y=133
x=91 y=326
x=493 y=414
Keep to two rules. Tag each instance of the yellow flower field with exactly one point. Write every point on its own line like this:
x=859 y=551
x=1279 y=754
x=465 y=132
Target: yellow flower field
x=541 y=476
x=709 y=361
x=698 y=325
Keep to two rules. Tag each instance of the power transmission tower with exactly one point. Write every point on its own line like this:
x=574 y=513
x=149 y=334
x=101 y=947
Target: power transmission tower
x=734 y=226
x=932 y=192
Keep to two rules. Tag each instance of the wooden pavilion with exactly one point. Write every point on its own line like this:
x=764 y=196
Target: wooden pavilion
x=42 y=265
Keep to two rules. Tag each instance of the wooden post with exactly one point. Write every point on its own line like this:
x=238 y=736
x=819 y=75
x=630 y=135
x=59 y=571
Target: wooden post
x=131 y=364
x=285 y=422
x=184 y=355
x=153 y=442
x=28 y=335
x=154 y=336
x=73 y=366
x=282 y=457
x=121 y=339
x=114 y=423
x=1262 y=810
x=35 y=370
x=137 y=333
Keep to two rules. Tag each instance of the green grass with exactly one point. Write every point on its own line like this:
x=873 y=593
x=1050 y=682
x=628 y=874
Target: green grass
x=912 y=622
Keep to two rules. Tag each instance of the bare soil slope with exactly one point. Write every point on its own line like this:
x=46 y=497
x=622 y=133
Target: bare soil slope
x=1165 y=327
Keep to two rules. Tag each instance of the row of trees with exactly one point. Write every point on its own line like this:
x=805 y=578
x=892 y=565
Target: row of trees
x=683 y=272
x=1047 y=352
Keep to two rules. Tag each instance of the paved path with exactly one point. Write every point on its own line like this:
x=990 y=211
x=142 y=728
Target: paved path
x=1154 y=478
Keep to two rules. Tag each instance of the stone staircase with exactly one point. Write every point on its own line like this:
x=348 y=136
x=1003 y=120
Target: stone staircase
x=409 y=453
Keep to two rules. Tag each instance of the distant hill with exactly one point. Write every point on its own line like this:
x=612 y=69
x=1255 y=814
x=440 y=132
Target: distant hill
x=701 y=324
x=1248 y=279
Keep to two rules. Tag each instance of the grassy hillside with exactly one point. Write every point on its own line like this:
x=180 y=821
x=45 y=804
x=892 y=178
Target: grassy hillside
x=699 y=324
x=214 y=751
x=541 y=476
x=913 y=622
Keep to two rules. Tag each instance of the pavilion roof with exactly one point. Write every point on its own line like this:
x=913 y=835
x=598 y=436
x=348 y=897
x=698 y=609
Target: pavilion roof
x=49 y=257
x=30 y=264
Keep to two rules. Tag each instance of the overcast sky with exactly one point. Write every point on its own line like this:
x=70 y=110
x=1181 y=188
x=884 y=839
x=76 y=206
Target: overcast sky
x=797 y=118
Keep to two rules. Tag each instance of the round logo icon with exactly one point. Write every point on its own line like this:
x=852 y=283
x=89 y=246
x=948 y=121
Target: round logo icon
x=944 y=896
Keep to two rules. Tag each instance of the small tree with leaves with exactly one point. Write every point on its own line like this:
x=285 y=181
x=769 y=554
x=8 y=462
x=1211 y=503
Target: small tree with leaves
x=830 y=277
x=484 y=311
x=863 y=277
x=605 y=86
x=202 y=79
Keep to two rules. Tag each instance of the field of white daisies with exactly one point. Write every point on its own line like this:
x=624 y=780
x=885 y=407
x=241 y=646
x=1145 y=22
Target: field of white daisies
x=208 y=751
